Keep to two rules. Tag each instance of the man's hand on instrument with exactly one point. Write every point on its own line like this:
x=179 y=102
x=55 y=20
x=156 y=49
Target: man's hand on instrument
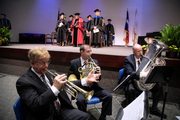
x=92 y=77
x=143 y=74
x=59 y=80
x=98 y=69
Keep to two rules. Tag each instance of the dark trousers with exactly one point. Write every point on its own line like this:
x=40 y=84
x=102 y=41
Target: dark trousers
x=157 y=93
x=103 y=95
x=74 y=114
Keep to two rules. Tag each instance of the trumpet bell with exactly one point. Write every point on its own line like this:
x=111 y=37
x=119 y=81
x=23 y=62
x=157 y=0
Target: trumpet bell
x=89 y=95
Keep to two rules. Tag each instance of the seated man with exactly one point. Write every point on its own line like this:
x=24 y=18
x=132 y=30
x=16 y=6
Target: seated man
x=41 y=97
x=131 y=64
x=99 y=92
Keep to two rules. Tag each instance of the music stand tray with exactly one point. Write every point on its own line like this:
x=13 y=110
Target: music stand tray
x=160 y=74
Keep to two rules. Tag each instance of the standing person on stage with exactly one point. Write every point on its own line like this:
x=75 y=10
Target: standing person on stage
x=61 y=29
x=96 y=29
x=99 y=92
x=41 y=96
x=103 y=31
x=131 y=64
x=109 y=32
x=69 y=32
x=88 y=30
x=4 y=22
x=77 y=30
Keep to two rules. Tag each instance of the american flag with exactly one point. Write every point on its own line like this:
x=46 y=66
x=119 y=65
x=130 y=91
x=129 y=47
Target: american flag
x=126 y=29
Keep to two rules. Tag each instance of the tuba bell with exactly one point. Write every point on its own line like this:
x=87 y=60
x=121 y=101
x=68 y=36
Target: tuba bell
x=73 y=89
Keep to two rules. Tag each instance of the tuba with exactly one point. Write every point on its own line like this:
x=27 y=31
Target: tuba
x=73 y=89
x=148 y=63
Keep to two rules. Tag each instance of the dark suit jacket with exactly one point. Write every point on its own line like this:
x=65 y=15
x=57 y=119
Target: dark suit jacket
x=36 y=99
x=74 y=65
x=130 y=66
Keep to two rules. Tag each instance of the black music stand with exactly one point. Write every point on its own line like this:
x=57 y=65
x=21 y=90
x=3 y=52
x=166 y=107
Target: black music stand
x=161 y=74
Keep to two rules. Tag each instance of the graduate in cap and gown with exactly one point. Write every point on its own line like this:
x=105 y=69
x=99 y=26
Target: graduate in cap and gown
x=96 y=29
x=61 y=29
x=88 y=29
x=4 y=22
x=109 y=29
x=77 y=30
x=69 y=30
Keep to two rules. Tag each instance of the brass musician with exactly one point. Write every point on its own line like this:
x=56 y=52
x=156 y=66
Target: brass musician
x=131 y=65
x=80 y=67
x=41 y=96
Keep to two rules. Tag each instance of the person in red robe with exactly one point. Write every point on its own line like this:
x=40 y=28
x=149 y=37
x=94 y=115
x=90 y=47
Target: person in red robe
x=77 y=27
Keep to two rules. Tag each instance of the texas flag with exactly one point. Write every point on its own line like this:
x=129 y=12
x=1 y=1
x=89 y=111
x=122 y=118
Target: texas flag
x=126 y=29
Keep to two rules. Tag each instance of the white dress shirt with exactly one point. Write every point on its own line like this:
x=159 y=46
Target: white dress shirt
x=53 y=88
x=136 y=60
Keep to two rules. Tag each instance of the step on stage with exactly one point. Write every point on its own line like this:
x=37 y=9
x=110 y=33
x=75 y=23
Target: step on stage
x=110 y=57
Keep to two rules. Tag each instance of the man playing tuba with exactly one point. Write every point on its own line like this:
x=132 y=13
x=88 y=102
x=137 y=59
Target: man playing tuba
x=131 y=65
x=99 y=92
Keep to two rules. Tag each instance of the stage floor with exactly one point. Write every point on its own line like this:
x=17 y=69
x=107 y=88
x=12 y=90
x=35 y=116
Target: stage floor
x=114 y=50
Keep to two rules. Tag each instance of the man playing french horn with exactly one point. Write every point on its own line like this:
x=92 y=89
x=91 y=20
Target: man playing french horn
x=41 y=96
x=80 y=67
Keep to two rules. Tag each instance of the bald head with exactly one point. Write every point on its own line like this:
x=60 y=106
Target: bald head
x=137 y=50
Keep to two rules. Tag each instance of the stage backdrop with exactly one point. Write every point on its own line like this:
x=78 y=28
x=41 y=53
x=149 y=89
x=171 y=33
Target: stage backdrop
x=40 y=16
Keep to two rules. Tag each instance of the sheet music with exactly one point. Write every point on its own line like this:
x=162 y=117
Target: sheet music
x=135 y=110
x=178 y=117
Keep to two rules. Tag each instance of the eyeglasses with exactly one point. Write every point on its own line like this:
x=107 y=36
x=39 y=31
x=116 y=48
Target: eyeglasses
x=44 y=62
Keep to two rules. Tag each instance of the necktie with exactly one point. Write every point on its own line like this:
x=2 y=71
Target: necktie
x=57 y=105
x=56 y=102
x=85 y=64
x=138 y=63
x=43 y=78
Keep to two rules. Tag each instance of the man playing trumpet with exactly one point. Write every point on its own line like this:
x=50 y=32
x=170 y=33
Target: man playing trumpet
x=41 y=97
x=87 y=85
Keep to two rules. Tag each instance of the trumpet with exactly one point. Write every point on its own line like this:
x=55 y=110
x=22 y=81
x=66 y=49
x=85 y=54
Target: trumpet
x=71 y=88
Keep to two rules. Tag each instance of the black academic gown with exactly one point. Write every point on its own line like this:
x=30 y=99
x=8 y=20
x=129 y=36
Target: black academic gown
x=69 y=34
x=96 y=37
x=61 y=37
x=109 y=29
x=6 y=24
x=88 y=28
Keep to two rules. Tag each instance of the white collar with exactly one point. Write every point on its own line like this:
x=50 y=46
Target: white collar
x=82 y=61
x=39 y=75
x=136 y=59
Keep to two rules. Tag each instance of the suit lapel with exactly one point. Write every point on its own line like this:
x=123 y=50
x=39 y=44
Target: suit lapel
x=133 y=62
x=78 y=63
x=49 y=78
x=36 y=79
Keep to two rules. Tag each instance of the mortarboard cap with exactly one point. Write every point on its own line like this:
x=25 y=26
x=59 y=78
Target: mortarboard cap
x=97 y=10
x=62 y=14
x=89 y=16
x=71 y=16
x=3 y=14
x=109 y=20
x=77 y=14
